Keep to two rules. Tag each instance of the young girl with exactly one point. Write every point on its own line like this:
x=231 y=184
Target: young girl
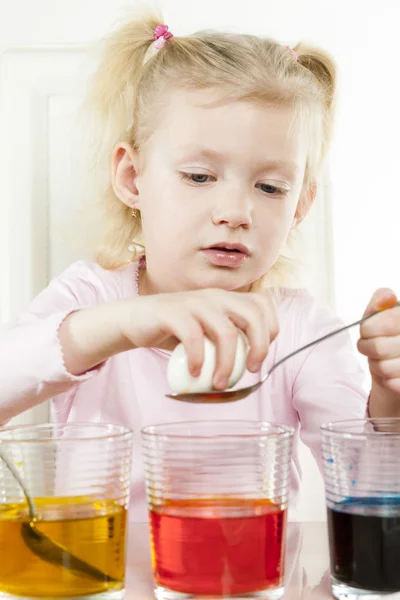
x=215 y=142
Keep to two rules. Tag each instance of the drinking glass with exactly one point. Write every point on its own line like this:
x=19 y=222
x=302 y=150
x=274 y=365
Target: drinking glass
x=78 y=477
x=217 y=494
x=362 y=482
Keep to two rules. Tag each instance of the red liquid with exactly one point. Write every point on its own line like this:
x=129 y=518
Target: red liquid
x=218 y=546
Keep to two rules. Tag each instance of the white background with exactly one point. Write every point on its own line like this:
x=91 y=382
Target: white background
x=364 y=162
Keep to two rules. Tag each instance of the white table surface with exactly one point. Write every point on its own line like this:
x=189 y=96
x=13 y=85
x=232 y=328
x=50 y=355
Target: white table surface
x=307 y=563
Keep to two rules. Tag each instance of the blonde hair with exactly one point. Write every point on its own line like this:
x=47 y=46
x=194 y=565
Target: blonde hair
x=132 y=79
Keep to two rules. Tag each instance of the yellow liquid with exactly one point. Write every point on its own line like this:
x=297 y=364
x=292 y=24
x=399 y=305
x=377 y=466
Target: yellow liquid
x=93 y=531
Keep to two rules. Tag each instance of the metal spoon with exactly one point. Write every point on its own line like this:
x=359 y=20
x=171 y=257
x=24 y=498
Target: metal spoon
x=220 y=396
x=44 y=547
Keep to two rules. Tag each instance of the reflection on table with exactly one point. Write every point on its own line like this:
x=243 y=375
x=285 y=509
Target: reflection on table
x=307 y=563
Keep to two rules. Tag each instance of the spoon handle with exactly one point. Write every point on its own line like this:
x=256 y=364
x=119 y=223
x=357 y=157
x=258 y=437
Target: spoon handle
x=324 y=337
x=17 y=477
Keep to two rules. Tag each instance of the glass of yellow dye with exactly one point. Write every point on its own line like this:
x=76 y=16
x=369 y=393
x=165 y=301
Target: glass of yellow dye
x=78 y=476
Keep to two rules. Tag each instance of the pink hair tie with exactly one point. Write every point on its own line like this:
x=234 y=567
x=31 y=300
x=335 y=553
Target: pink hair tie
x=161 y=35
x=293 y=53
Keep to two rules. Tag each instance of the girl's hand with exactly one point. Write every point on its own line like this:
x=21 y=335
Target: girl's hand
x=164 y=319
x=380 y=342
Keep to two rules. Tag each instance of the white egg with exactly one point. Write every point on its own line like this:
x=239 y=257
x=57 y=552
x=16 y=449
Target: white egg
x=181 y=381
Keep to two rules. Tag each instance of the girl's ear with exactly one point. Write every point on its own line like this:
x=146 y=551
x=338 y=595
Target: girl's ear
x=306 y=201
x=124 y=174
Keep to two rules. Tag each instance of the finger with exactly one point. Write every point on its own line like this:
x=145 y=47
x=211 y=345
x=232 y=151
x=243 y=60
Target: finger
x=269 y=326
x=254 y=320
x=380 y=348
x=387 y=369
x=270 y=308
x=190 y=333
x=381 y=299
x=385 y=323
x=223 y=333
x=392 y=384
x=258 y=339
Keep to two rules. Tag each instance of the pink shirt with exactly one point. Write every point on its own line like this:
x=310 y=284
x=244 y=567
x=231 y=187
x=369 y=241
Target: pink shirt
x=319 y=385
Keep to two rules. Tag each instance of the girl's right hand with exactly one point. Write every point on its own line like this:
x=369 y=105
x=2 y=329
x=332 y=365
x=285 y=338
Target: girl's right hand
x=163 y=320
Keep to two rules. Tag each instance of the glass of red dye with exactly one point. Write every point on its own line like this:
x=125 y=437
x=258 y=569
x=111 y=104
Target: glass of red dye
x=217 y=493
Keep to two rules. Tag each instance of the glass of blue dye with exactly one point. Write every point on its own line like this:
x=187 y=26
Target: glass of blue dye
x=362 y=484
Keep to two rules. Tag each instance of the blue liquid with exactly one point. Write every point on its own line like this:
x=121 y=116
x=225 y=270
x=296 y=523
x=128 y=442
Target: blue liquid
x=364 y=540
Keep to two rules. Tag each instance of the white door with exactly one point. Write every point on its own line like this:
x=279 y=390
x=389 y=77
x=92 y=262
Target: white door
x=43 y=70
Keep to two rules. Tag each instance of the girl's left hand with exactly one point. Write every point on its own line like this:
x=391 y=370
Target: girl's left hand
x=380 y=341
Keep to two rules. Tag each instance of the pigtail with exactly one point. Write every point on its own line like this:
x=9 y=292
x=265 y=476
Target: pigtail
x=113 y=92
x=111 y=106
x=323 y=70
x=322 y=66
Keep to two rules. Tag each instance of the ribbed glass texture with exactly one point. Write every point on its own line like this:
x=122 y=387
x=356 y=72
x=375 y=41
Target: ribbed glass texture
x=362 y=482
x=361 y=458
x=78 y=477
x=217 y=493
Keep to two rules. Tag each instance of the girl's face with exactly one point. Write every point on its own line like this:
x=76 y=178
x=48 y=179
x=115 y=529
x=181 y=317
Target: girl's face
x=217 y=188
